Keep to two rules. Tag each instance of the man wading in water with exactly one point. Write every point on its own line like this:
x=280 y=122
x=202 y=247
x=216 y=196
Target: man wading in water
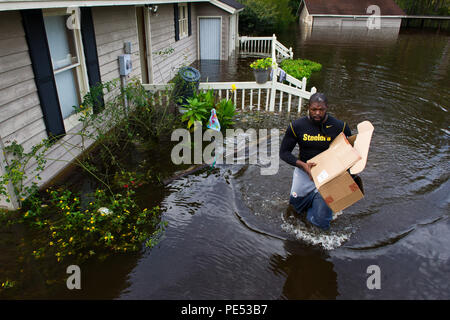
x=313 y=133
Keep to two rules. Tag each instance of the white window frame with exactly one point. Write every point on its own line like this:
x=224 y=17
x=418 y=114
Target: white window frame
x=80 y=66
x=183 y=21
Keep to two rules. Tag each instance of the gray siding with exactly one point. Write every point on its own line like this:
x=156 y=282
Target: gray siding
x=21 y=116
x=184 y=52
x=113 y=27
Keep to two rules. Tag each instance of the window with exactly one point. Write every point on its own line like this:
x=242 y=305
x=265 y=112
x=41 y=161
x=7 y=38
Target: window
x=66 y=52
x=183 y=20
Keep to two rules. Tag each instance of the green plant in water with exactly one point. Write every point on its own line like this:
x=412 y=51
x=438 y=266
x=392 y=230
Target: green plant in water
x=300 y=68
x=226 y=111
x=199 y=108
x=196 y=110
x=78 y=228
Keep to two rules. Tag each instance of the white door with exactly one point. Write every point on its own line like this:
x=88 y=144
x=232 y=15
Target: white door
x=210 y=38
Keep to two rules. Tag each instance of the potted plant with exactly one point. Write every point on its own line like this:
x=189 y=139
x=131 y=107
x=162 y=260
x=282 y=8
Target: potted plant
x=261 y=69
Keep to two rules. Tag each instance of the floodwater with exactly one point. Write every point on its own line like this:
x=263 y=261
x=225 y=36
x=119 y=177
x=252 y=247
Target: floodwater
x=231 y=233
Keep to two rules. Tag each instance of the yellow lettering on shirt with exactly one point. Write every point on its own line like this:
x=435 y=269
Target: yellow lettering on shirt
x=319 y=137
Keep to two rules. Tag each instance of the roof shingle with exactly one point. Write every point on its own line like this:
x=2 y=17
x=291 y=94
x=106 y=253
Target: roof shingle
x=233 y=3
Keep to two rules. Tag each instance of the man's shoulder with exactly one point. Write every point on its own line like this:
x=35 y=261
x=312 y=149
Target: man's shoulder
x=334 y=121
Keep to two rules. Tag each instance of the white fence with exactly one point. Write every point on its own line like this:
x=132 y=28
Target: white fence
x=265 y=46
x=273 y=96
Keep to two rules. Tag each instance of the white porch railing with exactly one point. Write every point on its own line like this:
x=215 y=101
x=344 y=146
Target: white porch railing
x=265 y=46
x=271 y=96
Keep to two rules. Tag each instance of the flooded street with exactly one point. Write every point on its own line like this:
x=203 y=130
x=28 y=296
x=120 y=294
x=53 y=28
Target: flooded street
x=233 y=236
x=231 y=233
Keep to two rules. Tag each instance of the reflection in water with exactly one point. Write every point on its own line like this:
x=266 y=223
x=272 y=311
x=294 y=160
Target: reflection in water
x=308 y=273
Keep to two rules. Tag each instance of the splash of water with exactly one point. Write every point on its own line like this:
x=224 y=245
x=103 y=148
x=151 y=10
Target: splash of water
x=328 y=240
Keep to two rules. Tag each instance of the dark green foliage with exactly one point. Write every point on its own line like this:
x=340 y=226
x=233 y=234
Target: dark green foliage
x=199 y=108
x=264 y=17
x=425 y=7
x=300 y=68
x=225 y=110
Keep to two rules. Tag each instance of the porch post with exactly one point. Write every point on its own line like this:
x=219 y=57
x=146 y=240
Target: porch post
x=274 y=75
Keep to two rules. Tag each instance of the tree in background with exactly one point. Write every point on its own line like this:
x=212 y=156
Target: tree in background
x=293 y=5
x=264 y=17
x=425 y=7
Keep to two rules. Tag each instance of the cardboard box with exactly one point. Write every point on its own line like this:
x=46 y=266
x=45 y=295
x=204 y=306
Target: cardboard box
x=330 y=174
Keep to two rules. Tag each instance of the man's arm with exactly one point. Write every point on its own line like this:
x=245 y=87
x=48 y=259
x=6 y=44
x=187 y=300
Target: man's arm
x=287 y=145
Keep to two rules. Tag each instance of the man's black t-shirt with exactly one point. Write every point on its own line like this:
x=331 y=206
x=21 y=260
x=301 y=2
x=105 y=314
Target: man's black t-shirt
x=312 y=138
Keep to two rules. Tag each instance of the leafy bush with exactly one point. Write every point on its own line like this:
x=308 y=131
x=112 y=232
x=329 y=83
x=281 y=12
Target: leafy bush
x=226 y=111
x=182 y=89
x=300 y=68
x=199 y=108
x=196 y=110
x=79 y=229
x=264 y=63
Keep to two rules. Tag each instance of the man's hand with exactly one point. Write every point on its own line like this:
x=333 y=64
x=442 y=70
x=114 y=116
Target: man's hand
x=306 y=167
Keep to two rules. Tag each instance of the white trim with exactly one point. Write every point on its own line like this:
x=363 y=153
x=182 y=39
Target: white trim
x=225 y=7
x=198 y=35
x=80 y=66
x=182 y=36
x=148 y=39
x=232 y=44
x=70 y=66
x=32 y=4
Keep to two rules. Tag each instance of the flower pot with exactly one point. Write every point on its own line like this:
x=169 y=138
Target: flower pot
x=261 y=75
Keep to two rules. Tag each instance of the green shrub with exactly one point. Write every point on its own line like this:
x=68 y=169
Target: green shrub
x=196 y=110
x=300 y=68
x=226 y=111
x=199 y=108
x=77 y=229
x=265 y=63
x=264 y=17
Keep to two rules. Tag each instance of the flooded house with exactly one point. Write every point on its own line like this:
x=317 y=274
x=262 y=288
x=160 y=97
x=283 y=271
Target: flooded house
x=52 y=52
x=350 y=13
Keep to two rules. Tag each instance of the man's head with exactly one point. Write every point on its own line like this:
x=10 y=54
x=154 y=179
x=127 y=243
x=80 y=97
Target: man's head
x=318 y=106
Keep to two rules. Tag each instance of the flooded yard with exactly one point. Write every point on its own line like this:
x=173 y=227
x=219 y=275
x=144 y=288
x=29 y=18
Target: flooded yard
x=231 y=233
